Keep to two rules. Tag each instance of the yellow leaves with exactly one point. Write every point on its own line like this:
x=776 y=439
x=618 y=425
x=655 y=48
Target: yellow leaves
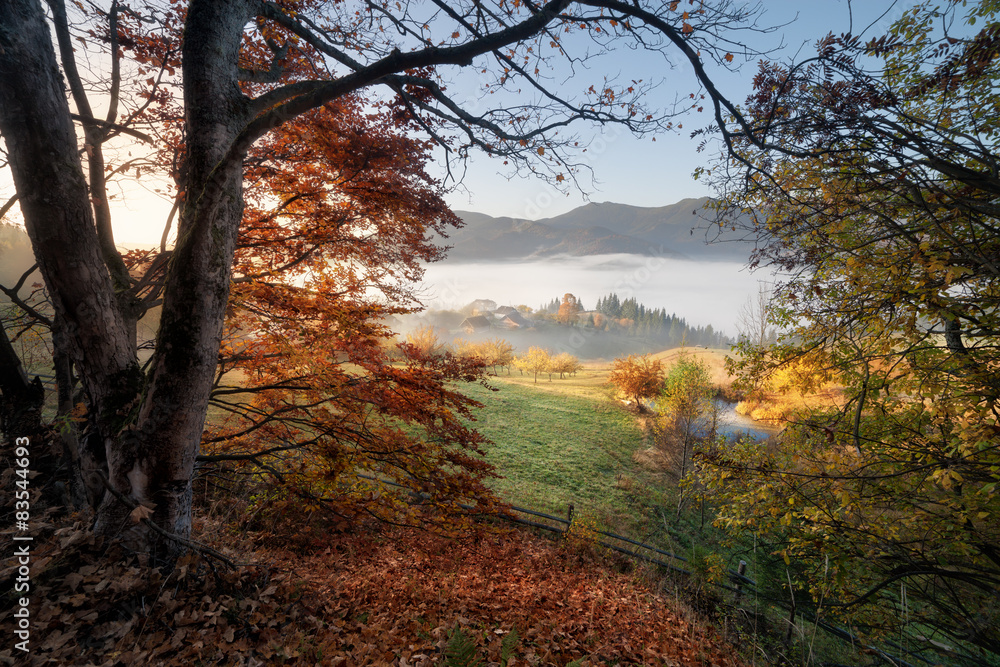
x=954 y=272
x=541 y=150
x=947 y=478
x=637 y=377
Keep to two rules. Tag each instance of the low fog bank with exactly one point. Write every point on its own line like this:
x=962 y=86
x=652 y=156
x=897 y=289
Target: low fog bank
x=703 y=293
x=585 y=344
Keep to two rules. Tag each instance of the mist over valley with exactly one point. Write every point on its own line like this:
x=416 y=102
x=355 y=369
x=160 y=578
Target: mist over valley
x=703 y=293
x=669 y=257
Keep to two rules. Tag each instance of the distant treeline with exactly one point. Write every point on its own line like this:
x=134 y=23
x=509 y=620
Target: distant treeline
x=631 y=318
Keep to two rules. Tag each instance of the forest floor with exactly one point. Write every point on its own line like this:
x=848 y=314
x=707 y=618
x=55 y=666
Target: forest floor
x=378 y=596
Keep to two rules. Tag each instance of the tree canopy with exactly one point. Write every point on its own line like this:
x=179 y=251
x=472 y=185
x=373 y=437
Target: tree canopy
x=639 y=378
x=684 y=400
x=868 y=175
x=536 y=360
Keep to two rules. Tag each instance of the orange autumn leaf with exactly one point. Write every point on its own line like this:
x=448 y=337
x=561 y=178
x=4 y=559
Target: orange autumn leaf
x=141 y=512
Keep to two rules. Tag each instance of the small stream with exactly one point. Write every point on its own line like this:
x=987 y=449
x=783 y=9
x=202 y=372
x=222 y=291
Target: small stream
x=731 y=423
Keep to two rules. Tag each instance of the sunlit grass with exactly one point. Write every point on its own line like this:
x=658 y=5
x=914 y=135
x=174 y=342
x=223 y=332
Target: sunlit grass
x=592 y=381
x=555 y=447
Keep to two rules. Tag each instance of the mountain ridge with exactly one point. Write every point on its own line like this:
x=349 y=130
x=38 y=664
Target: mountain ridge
x=680 y=231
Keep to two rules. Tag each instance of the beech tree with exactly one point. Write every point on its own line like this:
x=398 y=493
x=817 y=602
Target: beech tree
x=248 y=68
x=318 y=399
x=868 y=175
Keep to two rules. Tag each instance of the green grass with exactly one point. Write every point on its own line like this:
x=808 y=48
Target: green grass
x=568 y=442
x=553 y=449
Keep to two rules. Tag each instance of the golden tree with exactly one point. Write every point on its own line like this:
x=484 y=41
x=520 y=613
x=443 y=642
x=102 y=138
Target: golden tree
x=868 y=174
x=536 y=360
x=638 y=378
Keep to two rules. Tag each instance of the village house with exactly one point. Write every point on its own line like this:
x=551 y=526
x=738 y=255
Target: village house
x=475 y=324
x=514 y=320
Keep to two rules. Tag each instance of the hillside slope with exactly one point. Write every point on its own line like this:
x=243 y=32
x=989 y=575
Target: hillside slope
x=679 y=230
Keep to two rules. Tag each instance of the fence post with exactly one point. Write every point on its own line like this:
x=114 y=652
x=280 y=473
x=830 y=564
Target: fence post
x=741 y=570
x=569 y=516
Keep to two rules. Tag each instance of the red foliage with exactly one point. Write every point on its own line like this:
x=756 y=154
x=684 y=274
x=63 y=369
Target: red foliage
x=318 y=275
x=339 y=218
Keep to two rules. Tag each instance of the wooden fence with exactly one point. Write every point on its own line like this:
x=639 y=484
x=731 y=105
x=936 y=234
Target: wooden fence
x=739 y=583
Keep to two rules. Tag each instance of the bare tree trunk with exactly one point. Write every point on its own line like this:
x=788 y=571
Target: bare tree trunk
x=55 y=200
x=148 y=427
x=155 y=460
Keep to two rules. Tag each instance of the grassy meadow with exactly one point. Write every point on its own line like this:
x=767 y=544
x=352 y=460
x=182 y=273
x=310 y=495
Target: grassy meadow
x=553 y=449
x=571 y=440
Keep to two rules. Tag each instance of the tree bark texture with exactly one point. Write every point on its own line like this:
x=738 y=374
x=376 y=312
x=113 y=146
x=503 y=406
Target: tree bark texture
x=156 y=459
x=148 y=426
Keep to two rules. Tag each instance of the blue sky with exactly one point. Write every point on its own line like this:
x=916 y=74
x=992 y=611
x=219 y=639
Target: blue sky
x=642 y=172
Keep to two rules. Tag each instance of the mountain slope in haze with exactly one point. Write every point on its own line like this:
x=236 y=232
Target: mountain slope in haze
x=16 y=256
x=679 y=230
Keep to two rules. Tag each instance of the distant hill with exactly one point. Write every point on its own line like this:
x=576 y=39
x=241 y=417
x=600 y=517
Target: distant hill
x=678 y=230
x=16 y=256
